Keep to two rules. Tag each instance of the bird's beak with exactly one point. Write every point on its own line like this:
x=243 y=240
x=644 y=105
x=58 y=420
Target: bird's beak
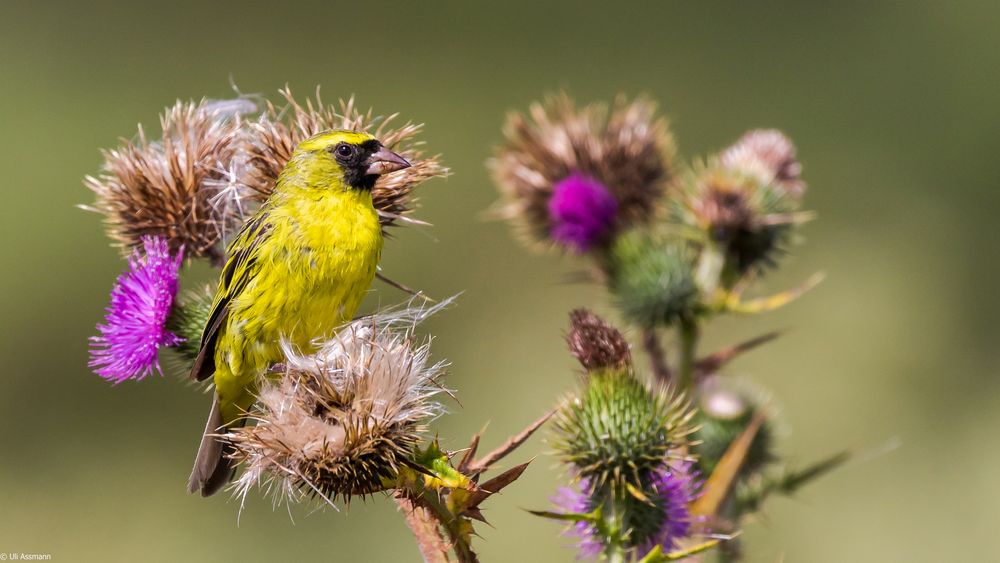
x=385 y=161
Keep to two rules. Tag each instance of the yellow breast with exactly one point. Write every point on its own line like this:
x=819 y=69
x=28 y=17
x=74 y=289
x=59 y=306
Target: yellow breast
x=314 y=269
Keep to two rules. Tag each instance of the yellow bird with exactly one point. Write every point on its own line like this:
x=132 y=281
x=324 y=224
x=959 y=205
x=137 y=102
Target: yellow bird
x=297 y=271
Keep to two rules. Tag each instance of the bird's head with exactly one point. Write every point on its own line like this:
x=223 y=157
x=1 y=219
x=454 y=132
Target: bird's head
x=349 y=159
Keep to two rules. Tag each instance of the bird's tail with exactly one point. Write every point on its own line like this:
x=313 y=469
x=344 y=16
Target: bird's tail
x=214 y=466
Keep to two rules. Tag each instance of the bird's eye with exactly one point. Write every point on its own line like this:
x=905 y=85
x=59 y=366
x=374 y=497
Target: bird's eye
x=345 y=151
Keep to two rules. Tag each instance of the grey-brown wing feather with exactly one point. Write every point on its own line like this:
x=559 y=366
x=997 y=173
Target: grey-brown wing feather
x=235 y=276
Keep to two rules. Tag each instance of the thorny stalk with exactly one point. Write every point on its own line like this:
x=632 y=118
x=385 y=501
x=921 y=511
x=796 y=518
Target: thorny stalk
x=657 y=356
x=425 y=528
x=688 y=332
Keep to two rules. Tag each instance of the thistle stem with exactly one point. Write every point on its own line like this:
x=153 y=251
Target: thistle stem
x=428 y=500
x=425 y=528
x=689 y=333
x=709 y=270
x=657 y=357
x=614 y=550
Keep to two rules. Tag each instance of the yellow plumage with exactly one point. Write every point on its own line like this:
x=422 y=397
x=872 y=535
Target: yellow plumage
x=296 y=272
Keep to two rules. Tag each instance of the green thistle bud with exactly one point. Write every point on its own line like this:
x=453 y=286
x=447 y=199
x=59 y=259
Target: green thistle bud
x=652 y=279
x=618 y=431
x=721 y=418
x=188 y=319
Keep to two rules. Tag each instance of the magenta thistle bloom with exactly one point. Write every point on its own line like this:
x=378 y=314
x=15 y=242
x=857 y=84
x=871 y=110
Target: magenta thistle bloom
x=676 y=486
x=577 y=500
x=672 y=487
x=135 y=323
x=582 y=211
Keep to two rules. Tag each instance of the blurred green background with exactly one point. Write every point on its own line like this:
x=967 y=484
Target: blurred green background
x=895 y=107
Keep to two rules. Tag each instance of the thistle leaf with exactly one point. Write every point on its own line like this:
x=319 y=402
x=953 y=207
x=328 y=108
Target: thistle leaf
x=512 y=443
x=733 y=302
x=590 y=517
x=718 y=485
x=656 y=555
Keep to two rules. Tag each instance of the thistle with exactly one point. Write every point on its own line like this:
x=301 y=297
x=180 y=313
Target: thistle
x=652 y=282
x=135 y=325
x=166 y=188
x=623 y=444
x=575 y=176
x=217 y=160
x=630 y=450
x=582 y=212
x=617 y=430
x=675 y=486
x=746 y=202
x=280 y=129
x=343 y=421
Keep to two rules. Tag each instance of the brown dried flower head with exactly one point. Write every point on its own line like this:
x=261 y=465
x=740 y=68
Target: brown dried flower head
x=595 y=343
x=342 y=421
x=747 y=201
x=279 y=130
x=768 y=156
x=166 y=188
x=723 y=203
x=627 y=148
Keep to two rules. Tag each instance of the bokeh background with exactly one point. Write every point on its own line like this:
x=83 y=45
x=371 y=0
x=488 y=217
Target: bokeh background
x=895 y=107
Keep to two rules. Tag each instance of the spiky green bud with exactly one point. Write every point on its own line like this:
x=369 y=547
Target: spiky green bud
x=618 y=430
x=652 y=278
x=188 y=318
x=723 y=416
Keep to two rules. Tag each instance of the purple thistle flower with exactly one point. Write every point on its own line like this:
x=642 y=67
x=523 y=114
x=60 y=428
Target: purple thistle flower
x=676 y=485
x=134 y=327
x=582 y=211
x=576 y=500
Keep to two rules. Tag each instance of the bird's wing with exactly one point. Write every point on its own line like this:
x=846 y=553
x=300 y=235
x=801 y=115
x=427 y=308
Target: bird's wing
x=237 y=273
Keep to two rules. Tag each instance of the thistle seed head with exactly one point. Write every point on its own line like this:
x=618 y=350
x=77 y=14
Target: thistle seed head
x=342 y=421
x=167 y=188
x=279 y=130
x=626 y=151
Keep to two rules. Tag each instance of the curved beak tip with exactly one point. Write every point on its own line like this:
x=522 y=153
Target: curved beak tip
x=385 y=161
